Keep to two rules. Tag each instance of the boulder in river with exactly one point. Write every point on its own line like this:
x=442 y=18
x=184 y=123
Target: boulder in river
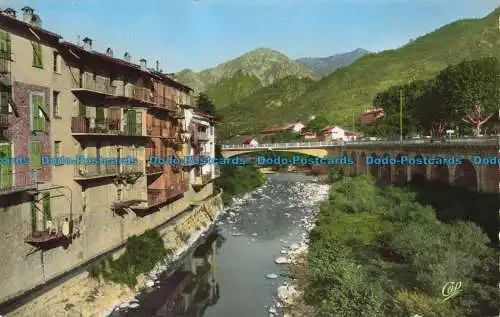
x=271 y=276
x=282 y=260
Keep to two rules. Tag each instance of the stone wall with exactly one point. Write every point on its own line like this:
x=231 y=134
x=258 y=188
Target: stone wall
x=84 y=296
x=22 y=267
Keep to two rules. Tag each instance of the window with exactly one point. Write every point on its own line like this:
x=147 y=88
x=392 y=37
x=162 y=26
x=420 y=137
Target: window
x=57 y=148
x=5 y=97
x=37 y=122
x=56 y=61
x=35 y=154
x=37 y=55
x=55 y=104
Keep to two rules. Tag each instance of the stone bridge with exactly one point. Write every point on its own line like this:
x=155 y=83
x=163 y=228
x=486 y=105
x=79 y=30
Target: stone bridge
x=468 y=173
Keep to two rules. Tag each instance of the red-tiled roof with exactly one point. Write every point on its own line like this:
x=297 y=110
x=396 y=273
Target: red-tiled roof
x=328 y=128
x=248 y=139
x=5 y=19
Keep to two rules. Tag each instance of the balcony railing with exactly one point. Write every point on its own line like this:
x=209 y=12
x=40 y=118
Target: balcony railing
x=92 y=126
x=98 y=85
x=165 y=103
x=154 y=130
x=159 y=196
x=154 y=168
x=142 y=94
x=11 y=182
x=88 y=171
x=201 y=136
x=132 y=168
x=56 y=229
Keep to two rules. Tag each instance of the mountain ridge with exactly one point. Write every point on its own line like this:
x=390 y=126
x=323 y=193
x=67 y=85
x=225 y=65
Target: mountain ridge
x=327 y=64
x=267 y=65
x=342 y=94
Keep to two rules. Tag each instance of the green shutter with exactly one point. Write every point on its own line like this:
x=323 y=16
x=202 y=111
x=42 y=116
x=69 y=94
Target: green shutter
x=33 y=216
x=37 y=104
x=132 y=116
x=37 y=55
x=5 y=46
x=35 y=155
x=82 y=110
x=99 y=115
x=5 y=169
x=47 y=214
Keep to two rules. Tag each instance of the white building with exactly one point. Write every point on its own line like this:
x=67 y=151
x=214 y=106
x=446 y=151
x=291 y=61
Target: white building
x=250 y=140
x=337 y=133
x=200 y=132
x=296 y=127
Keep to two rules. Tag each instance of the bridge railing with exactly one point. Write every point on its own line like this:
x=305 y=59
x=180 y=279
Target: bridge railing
x=266 y=146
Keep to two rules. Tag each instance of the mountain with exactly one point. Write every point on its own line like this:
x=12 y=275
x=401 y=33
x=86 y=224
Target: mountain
x=230 y=90
x=263 y=108
x=265 y=64
x=343 y=94
x=325 y=65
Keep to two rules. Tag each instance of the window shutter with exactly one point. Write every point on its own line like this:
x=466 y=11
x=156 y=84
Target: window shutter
x=47 y=214
x=35 y=156
x=5 y=169
x=37 y=55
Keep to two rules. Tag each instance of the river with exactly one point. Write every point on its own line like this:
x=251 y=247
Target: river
x=239 y=256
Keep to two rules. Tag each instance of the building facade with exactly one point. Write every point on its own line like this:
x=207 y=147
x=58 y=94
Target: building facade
x=80 y=127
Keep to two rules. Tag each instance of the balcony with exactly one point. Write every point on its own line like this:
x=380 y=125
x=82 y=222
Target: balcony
x=165 y=103
x=53 y=232
x=178 y=114
x=83 y=125
x=154 y=131
x=99 y=86
x=132 y=168
x=152 y=169
x=143 y=95
x=12 y=182
x=161 y=196
x=84 y=172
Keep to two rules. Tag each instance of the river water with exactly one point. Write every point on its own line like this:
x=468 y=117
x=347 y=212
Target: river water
x=234 y=263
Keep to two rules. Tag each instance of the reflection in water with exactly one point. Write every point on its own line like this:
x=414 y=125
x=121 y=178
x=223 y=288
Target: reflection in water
x=186 y=293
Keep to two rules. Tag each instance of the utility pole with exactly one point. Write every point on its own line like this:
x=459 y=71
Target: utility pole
x=353 y=122
x=401 y=115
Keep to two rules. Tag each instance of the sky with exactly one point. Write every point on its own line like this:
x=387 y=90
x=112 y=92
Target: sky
x=199 y=34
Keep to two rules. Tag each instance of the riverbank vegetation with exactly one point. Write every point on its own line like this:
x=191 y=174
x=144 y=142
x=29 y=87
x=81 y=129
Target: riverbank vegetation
x=141 y=254
x=382 y=252
x=235 y=181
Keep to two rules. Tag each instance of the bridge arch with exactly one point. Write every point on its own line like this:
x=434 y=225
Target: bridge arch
x=400 y=171
x=491 y=178
x=385 y=171
x=466 y=175
x=373 y=168
x=440 y=173
x=361 y=163
x=418 y=171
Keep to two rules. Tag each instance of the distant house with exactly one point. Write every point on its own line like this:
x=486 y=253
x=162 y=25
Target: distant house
x=333 y=132
x=287 y=128
x=369 y=116
x=309 y=135
x=250 y=140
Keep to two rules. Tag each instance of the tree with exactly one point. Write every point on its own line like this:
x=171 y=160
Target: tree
x=476 y=119
x=205 y=105
x=316 y=124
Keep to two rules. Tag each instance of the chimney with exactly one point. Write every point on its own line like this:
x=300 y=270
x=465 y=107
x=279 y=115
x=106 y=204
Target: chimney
x=109 y=52
x=87 y=44
x=126 y=57
x=36 y=20
x=144 y=65
x=10 y=12
x=157 y=66
x=27 y=14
